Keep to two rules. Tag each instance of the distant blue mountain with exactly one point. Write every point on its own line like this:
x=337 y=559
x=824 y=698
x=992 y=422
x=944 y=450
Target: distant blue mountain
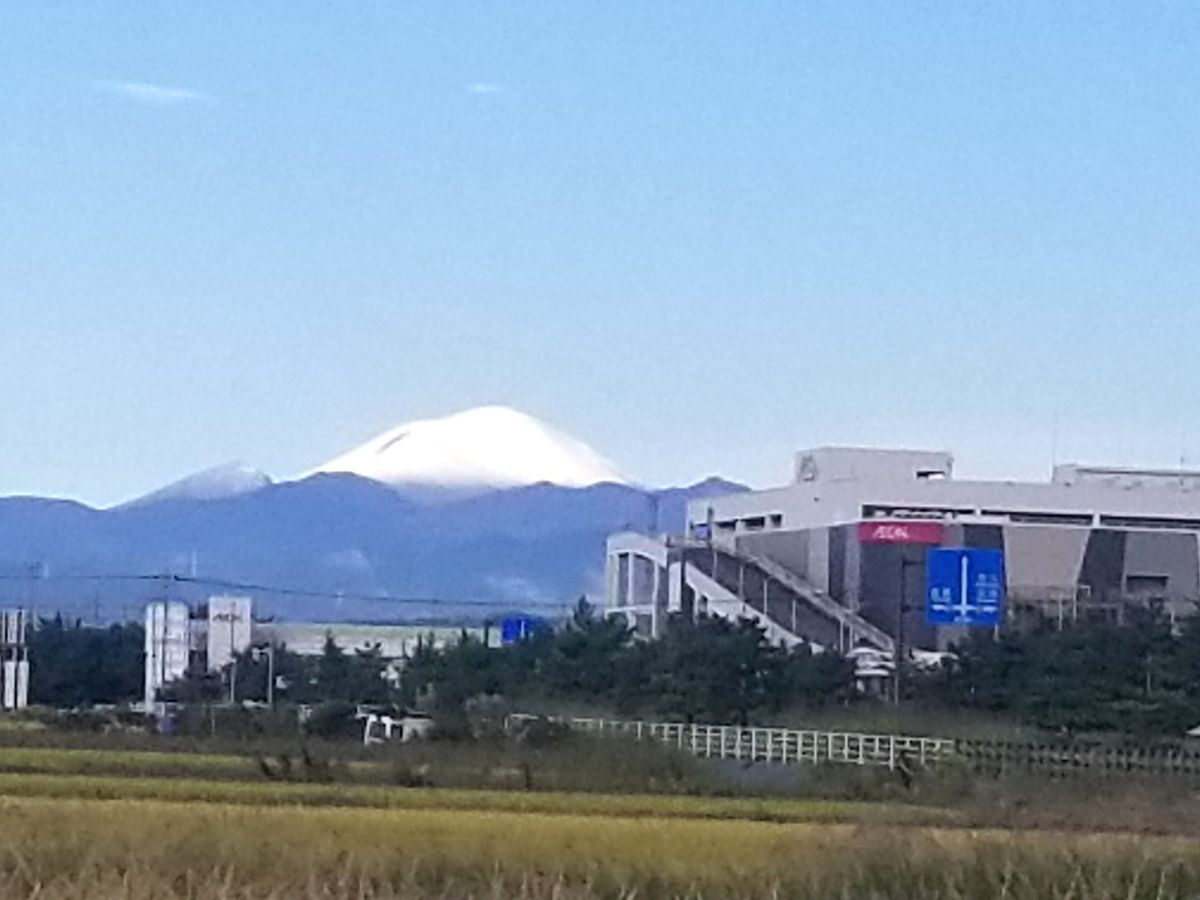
x=347 y=545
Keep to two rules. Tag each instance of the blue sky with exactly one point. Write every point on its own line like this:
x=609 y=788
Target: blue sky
x=696 y=235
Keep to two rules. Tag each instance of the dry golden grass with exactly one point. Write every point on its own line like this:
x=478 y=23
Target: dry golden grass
x=247 y=793
x=70 y=761
x=78 y=825
x=158 y=849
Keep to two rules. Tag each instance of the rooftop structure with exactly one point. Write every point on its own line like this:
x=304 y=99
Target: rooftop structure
x=839 y=554
x=182 y=639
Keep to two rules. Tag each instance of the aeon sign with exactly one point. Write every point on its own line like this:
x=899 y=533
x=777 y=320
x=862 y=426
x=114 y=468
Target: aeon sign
x=900 y=533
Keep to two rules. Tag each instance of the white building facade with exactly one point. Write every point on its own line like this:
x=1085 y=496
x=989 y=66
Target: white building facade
x=840 y=552
x=168 y=645
x=180 y=639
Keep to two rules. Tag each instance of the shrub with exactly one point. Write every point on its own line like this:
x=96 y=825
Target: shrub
x=334 y=720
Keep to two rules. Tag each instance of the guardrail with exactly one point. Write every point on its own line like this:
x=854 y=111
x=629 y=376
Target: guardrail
x=773 y=745
x=1065 y=760
x=894 y=751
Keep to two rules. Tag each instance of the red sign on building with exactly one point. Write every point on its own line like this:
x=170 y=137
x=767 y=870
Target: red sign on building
x=903 y=532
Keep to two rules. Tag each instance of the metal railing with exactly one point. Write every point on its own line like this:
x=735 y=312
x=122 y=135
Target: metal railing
x=894 y=751
x=772 y=745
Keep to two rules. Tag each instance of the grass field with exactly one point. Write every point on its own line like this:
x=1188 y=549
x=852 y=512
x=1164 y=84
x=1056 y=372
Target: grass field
x=268 y=794
x=130 y=824
x=60 y=848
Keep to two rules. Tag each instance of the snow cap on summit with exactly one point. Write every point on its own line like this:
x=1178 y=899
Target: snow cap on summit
x=487 y=447
x=217 y=483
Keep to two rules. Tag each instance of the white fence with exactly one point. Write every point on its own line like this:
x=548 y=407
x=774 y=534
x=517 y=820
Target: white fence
x=778 y=745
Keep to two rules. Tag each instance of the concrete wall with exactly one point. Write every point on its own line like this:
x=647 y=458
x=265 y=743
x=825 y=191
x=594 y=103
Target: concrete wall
x=788 y=548
x=395 y=641
x=1175 y=557
x=892 y=574
x=821 y=502
x=1044 y=559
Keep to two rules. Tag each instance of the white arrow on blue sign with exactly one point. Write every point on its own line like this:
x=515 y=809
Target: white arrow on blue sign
x=964 y=587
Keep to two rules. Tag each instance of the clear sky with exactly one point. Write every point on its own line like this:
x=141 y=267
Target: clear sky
x=696 y=235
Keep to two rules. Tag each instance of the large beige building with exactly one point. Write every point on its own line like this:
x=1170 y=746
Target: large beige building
x=838 y=556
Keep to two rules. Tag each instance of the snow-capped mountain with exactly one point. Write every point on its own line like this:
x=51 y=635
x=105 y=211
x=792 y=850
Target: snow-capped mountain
x=518 y=519
x=217 y=483
x=488 y=448
x=353 y=548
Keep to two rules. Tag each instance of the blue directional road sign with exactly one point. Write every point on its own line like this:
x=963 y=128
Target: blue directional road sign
x=516 y=628
x=964 y=587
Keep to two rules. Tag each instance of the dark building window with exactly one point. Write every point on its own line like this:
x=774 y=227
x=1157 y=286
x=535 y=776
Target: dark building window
x=1023 y=517
x=878 y=511
x=1150 y=522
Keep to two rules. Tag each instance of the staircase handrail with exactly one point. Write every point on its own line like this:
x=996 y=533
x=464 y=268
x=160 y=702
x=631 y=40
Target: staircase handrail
x=856 y=624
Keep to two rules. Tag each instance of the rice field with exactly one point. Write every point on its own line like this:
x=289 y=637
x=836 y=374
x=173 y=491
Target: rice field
x=144 y=763
x=124 y=824
x=259 y=794
x=140 y=848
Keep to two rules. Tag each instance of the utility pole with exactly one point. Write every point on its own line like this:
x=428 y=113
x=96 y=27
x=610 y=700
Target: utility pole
x=37 y=571
x=689 y=608
x=269 y=652
x=901 y=649
x=232 y=658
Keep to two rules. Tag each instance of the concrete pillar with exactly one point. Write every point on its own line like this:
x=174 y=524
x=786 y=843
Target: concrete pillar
x=654 y=610
x=674 y=596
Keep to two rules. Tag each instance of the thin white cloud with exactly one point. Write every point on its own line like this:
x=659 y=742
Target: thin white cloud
x=485 y=87
x=152 y=94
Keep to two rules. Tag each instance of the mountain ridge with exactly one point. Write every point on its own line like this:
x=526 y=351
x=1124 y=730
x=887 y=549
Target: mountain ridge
x=484 y=508
x=533 y=546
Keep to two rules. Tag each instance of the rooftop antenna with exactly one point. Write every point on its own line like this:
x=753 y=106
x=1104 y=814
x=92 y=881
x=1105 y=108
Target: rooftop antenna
x=1183 y=457
x=1054 y=439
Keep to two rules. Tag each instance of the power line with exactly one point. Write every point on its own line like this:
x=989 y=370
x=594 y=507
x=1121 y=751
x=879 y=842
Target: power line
x=232 y=585
x=107 y=577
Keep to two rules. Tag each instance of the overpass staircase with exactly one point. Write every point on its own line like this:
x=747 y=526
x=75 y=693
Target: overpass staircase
x=787 y=601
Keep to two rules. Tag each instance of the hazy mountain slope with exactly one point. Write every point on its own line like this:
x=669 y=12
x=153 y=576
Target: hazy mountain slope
x=217 y=483
x=330 y=533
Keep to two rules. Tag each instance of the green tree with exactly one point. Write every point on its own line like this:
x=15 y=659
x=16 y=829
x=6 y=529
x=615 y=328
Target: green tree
x=350 y=677
x=72 y=665
x=1132 y=676
x=294 y=675
x=814 y=679
x=446 y=678
x=583 y=659
x=717 y=670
